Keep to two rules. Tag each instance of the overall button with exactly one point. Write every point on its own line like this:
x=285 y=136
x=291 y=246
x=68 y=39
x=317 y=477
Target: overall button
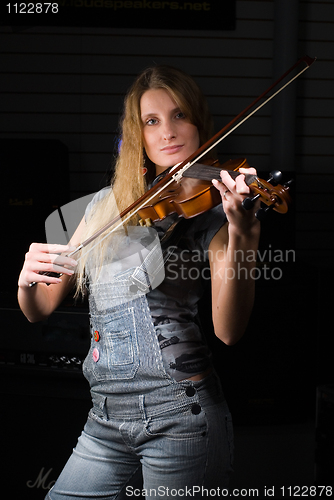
x=96 y=355
x=196 y=409
x=96 y=336
x=190 y=391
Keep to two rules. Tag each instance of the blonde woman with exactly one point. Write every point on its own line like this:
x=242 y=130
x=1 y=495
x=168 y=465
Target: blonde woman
x=158 y=411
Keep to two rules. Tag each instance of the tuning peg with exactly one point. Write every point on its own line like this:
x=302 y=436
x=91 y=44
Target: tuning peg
x=275 y=177
x=288 y=183
x=262 y=212
x=248 y=203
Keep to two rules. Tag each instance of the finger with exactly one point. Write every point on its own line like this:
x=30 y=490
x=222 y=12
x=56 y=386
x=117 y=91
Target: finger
x=250 y=170
x=64 y=260
x=50 y=248
x=227 y=180
x=27 y=277
x=241 y=186
x=53 y=268
x=220 y=186
x=44 y=278
x=35 y=258
x=237 y=186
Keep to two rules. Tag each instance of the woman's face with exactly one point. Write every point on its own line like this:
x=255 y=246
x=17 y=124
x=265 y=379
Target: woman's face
x=169 y=137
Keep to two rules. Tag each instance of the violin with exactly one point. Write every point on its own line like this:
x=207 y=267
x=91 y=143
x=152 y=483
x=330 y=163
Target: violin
x=193 y=193
x=187 y=189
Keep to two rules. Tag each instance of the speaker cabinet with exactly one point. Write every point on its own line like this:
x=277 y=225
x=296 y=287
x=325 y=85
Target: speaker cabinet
x=43 y=413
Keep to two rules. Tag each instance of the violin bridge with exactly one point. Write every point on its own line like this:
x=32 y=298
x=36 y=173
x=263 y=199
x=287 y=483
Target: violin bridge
x=146 y=222
x=178 y=175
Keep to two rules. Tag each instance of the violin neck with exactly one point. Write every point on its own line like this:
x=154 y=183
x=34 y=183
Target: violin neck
x=207 y=173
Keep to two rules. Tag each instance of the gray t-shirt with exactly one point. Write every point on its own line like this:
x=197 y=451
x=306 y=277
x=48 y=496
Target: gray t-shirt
x=173 y=304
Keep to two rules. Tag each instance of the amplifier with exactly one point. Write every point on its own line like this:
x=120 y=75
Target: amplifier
x=60 y=342
x=43 y=413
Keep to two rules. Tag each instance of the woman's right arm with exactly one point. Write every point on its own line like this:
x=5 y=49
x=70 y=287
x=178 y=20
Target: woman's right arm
x=39 y=301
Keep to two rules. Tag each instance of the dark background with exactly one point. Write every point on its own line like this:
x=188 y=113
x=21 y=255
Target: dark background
x=62 y=87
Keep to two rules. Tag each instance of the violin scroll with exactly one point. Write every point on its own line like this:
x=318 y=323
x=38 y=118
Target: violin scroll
x=270 y=192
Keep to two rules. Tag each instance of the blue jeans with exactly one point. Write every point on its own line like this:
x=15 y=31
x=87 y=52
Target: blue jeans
x=177 y=436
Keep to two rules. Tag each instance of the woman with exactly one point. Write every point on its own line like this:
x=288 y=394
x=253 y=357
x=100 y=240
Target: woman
x=158 y=408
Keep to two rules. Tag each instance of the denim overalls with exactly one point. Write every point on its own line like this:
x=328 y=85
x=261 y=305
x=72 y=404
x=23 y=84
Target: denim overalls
x=176 y=435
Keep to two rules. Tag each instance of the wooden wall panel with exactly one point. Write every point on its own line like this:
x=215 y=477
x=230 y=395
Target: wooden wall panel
x=314 y=135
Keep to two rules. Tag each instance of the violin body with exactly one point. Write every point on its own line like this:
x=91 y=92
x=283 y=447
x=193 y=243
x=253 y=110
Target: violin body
x=188 y=197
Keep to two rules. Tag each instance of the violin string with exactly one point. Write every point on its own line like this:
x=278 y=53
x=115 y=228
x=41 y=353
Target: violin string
x=209 y=172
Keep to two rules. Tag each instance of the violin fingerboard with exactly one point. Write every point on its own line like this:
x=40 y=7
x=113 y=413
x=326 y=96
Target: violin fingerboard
x=207 y=173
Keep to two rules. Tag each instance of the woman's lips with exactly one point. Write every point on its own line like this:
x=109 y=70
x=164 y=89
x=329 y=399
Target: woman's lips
x=172 y=149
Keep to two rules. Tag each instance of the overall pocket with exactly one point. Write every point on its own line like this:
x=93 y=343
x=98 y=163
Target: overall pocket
x=113 y=354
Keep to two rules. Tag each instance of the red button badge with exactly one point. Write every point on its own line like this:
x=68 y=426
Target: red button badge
x=96 y=355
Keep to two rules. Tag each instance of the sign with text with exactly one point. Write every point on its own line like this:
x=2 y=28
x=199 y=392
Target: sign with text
x=155 y=14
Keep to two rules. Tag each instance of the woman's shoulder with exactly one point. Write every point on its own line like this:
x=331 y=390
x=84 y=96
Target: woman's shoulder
x=96 y=198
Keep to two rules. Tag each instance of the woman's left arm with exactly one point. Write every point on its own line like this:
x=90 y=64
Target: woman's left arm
x=232 y=253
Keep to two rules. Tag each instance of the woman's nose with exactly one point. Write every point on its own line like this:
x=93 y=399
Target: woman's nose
x=169 y=132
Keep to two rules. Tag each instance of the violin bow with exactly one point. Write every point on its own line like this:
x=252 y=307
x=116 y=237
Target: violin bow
x=176 y=173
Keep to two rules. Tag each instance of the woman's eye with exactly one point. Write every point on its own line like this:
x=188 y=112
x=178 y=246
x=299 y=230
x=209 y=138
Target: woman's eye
x=180 y=115
x=151 y=121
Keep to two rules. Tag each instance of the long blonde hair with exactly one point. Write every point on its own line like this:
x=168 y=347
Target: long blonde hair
x=128 y=182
